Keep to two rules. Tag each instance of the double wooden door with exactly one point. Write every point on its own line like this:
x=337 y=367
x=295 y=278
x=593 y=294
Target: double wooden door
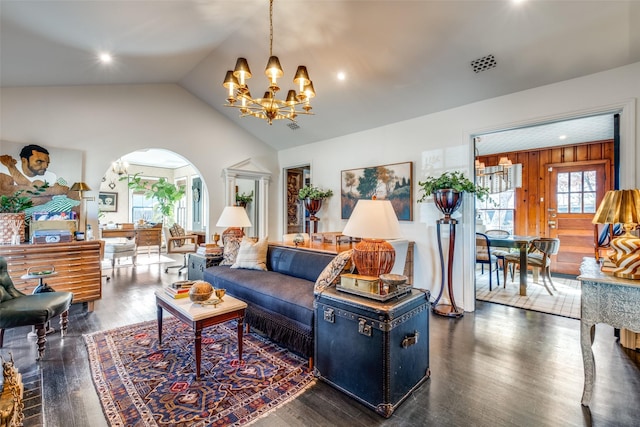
x=574 y=192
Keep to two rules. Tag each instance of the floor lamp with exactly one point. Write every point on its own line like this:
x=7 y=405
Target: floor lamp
x=81 y=187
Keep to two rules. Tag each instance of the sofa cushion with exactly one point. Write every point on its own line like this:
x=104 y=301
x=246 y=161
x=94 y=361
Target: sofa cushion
x=332 y=271
x=252 y=255
x=300 y=263
x=290 y=296
x=230 y=250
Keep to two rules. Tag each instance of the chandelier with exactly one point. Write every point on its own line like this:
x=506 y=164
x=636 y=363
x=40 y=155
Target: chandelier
x=269 y=107
x=120 y=167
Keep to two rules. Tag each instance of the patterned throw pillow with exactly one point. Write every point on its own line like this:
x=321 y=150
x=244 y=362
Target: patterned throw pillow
x=252 y=255
x=175 y=231
x=332 y=271
x=230 y=251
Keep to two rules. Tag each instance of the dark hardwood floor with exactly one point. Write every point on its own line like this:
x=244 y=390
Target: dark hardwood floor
x=499 y=366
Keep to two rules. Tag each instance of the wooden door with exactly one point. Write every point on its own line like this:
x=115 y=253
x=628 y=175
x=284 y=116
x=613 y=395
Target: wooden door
x=573 y=196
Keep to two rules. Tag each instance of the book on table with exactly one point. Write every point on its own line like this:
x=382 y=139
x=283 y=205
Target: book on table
x=177 y=293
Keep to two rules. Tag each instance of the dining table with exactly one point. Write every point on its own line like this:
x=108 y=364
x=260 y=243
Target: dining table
x=522 y=244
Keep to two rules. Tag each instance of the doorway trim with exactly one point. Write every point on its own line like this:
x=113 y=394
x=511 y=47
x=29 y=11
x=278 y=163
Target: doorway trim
x=626 y=109
x=285 y=203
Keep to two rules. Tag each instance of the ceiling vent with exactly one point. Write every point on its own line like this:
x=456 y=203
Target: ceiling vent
x=293 y=126
x=484 y=63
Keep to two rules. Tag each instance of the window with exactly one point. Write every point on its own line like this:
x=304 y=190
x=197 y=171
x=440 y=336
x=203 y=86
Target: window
x=497 y=212
x=180 y=210
x=576 y=192
x=141 y=207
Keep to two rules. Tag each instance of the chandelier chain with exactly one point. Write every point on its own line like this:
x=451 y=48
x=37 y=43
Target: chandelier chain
x=270 y=28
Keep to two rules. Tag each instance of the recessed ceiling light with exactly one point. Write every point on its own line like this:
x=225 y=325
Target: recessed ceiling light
x=341 y=75
x=105 y=58
x=562 y=137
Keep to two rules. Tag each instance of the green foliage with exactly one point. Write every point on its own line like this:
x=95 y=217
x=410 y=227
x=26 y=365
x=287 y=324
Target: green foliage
x=368 y=183
x=18 y=202
x=451 y=180
x=162 y=191
x=313 y=193
x=244 y=198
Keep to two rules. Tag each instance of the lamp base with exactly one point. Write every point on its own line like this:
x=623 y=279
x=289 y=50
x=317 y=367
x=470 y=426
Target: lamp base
x=232 y=232
x=373 y=257
x=625 y=255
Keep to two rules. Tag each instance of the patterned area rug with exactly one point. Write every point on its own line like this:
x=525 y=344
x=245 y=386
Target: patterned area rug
x=143 y=385
x=565 y=302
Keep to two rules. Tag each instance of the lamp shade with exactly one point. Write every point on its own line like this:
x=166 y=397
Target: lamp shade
x=80 y=186
x=234 y=216
x=373 y=219
x=619 y=206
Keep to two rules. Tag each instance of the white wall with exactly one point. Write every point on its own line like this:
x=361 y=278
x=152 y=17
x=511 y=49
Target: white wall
x=107 y=122
x=441 y=141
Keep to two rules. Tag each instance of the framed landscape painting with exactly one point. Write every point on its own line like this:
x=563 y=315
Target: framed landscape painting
x=392 y=182
x=107 y=202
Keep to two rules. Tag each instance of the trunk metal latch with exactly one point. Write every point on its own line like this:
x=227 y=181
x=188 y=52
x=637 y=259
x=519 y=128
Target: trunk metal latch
x=363 y=328
x=410 y=340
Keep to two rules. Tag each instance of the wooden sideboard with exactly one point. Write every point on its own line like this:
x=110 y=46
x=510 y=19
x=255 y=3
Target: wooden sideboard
x=77 y=265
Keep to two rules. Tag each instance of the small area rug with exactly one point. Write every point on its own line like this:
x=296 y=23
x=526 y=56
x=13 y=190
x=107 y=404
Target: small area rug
x=140 y=384
x=565 y=302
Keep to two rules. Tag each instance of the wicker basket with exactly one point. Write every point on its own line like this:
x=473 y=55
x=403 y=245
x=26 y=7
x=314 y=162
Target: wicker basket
x=9 y=224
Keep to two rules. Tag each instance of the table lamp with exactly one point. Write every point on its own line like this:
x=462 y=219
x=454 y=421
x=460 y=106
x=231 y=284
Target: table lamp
x=622 y=206
x=233 y=217
x=373 y=221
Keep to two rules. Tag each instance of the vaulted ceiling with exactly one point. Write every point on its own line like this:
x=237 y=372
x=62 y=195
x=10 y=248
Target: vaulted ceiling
x=402 y=59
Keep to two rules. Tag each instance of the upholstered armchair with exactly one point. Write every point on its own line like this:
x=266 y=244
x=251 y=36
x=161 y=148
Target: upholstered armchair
x=18 y=309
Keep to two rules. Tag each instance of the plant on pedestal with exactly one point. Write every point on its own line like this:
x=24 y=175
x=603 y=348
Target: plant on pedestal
x=447 y=190
x=313 y=197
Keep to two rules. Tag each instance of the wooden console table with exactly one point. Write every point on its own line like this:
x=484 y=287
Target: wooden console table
x=336 y=248
x=605 y=299
x=77 y=265
x=149 y=236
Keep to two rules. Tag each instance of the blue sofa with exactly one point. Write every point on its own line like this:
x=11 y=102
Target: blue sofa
x=280 y=300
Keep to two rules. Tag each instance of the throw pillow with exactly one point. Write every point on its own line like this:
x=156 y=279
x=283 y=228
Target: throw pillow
x=230 y=250
x=332 y=271
x=176 y=230
x=252 y=255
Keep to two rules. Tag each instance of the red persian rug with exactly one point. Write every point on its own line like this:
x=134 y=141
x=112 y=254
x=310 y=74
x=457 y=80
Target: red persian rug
x=140 y=384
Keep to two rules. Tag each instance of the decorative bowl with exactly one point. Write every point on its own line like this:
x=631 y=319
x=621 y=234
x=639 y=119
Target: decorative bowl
x=220 y=293
x=394 y=279
x=200 y=291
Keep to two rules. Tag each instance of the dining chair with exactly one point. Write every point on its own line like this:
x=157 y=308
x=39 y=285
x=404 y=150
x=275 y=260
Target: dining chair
x=499 y=253
x=485 y=256
x=539 y=256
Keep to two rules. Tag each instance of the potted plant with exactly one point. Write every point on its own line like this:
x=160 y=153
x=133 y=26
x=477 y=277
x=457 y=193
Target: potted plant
x=313 y=197
x=12 y=214
x=447 y=191
x=244 y=199
x=162 y=191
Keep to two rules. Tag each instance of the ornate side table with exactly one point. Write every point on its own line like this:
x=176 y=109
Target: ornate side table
x=605 y=299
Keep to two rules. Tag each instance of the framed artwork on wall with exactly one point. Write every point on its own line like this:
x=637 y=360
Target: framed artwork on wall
x=392 y=182
x=107 y=202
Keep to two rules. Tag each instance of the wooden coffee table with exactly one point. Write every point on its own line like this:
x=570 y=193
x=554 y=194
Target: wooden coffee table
x=200 y=317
